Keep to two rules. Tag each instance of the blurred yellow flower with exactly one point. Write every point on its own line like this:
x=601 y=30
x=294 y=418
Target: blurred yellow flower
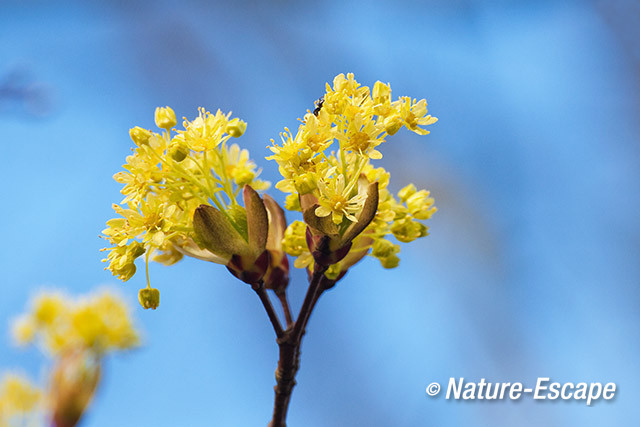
x=18 y=398
x=99 y=323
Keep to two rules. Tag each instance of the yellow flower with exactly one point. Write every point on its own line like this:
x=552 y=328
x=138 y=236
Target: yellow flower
x=48 y=308
x=206 y=131
x=122 y=258
x=139 y=135
x=414 y=114
x=386 y=252
x=362 y=135
x=242 y=170
x=18 y=397
x=24 y=330
x=165 y=118
x=294 y=242
x=236 y=128
x=335 y=200
x=149 y=298
x=420 y=205
x=324 y=183
x=166 y=178
x=99 y=323
x=138 y=178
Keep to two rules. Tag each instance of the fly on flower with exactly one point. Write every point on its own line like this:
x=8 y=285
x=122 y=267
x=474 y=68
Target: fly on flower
x=319 y=103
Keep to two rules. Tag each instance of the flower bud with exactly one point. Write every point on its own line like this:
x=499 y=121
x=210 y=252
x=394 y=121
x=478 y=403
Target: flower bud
x=24 y=330
x=295 y=241
x=420 y=205
x=390 y=262
x=165 y=118
x=381 y=93
x=236 y=127
x=249 y=270
x=72 y=385
x=277 y=275
x=47 y=308
x=407 y=230
x=243 y=177
x=392 y=124
x=382 y=248
x=320 y=247
x=306 y=183
x=139 y=135
x=333 y=272
x=246 y=255
x=149 y=298
x=135 y=249
x=292 y=202
x=178 y=153
x=407 y=192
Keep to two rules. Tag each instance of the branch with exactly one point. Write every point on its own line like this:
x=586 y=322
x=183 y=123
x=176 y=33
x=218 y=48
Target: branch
x=310 y=299
x=266 y=302
x=282 y=296
x=324 y=285
x=289 y=344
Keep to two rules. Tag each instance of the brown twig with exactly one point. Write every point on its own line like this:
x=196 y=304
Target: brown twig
x=309 y=301
x=282 y=296
x=266 y=302
x=289 y=345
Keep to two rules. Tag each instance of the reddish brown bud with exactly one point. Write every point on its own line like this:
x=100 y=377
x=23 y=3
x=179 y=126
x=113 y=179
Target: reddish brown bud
x=247 y=270
x=320 y=248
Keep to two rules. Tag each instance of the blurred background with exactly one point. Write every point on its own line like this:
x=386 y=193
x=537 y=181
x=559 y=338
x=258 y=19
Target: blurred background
x=531 y=268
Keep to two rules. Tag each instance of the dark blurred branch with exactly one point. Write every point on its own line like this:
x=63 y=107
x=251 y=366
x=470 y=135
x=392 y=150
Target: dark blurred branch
x=20 y=89
x=623 y=19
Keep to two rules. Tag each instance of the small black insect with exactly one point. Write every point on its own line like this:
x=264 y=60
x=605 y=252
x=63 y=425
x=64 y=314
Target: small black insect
x=318 y=103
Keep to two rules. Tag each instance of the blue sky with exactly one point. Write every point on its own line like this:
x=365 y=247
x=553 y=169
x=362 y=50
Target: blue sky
x=531 y=266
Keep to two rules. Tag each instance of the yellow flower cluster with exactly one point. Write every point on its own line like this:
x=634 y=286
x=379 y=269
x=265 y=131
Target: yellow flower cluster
x=19 y=398
x=166 y=178
x=98 y=323
x=328 y=163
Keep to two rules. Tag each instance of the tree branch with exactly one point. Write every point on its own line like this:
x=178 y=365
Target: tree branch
x=309 y=301
x=282 y=296
x=289 y=345
x=266 y=302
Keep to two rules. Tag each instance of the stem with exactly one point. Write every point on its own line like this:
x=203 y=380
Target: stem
x=289 y=345
x=62 y=420
x=288 y=364
x=324 y=285
x=266 y=302
x=309 y=301
x=282 y=296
